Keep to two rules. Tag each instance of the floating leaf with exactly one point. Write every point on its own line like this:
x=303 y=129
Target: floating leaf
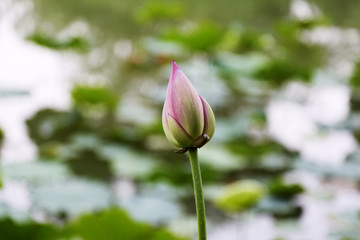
x=128 y=163
x=73 y=196
x=51 y=125
x=88 y=97
x=281 y=190
x=115 y=224
x=201 y=37
x=152 y=209
x=221 y=159
x=159 y=10
x=280 y=208
x=74 y=43
x=39 y=171
x=239 y=195
x=2 y=135
x=29 y=231
x=88 y=163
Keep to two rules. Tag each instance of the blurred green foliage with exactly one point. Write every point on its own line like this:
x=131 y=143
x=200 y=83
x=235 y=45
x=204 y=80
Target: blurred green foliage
x=202 y=37
x=159 y=10
x=279 y=189
x=110 y=224
x=239 y=196
x=355 y=79
x=115 y=224
x=76 y=43
x=49 y=124
x=110 y=140
x=13 y=231
x=2 y=135
x=90 y=97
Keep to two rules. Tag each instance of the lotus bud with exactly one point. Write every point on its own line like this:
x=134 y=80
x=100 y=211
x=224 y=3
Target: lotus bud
x=187 y=118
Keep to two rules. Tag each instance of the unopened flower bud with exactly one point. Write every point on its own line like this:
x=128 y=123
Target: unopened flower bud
x=187 y=118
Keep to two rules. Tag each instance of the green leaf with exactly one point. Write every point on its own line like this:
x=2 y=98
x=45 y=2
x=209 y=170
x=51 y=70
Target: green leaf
x=281 y=190
x=162 y=209
x=88 y=163
x=73 y=196
x=2 y=135
x=110 y=225
x=201 y=37
x=75 y=43
x=49 y=124
x=126 y=162
x=240 y=195
x=29 y=231
x=115 y=224
x=88 y=97
x=160 y=10
x=39 y=171
x=280 y=208
x=220 y=159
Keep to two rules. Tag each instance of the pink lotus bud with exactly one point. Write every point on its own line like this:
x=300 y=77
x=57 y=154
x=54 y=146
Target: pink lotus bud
x=187 y=118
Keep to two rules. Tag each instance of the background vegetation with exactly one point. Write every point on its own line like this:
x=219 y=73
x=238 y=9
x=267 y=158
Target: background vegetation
x=104 y=169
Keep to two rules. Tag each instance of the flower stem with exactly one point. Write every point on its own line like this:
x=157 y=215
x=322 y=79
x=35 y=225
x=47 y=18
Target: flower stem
x=199 y=196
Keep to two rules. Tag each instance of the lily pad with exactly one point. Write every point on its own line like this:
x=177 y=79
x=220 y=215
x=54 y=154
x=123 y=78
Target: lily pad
x=73 y=196
x=151 y=209
x=128 y=163
x=240 y=195
x=38 y=171
x=115 y=224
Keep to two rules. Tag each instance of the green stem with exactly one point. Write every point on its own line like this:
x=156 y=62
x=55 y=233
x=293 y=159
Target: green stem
x=199 y=196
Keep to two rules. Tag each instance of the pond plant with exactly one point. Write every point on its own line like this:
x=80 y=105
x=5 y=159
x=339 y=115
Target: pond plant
x=189 y=123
